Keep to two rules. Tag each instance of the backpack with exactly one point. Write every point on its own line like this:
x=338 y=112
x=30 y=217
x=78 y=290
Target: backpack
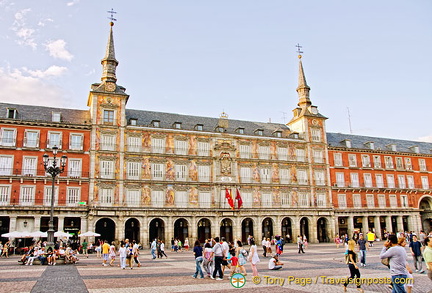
x=244 y=252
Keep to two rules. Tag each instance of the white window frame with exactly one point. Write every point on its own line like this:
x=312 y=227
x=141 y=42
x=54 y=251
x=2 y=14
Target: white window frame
x=367 y=177
x=321 y=199
x=316 y=135
x=133 y=197
x=285 y=176
x=6 y=165
x=158 y=171
x=266 y=200
x=27 y=195
x=425 y=182
x=318 y=156
x=204 y=199
x=302 y=177
x=342 y=201
x=180 y=147
x=73 y=196
x=133 y=170
x=245 y=151
x=352 y=160
x=8 y=137
x=181 y=199
x=388 y=162
x=366 y=161
x=106 y=169
x=382 y=203
x=204 y=173
x=108 y=142
x=106 y=196
x=203 y=148
x=357 y=203
x=301 y=155
x=158 y=145
x=74 y=168
x=401 y=181
x=390 y=181
x=265 y=175
x=422 y=164
x=245 y=174
x=48 y=195
x=340 y=179
x=303 y=199
x=379 y=179
x=29 y=166
x=355 y=182
x=5 y=192
x=338 y=159
x=377 y=162
x=180 y=172
x=399 y=163
x=282 y=153
x=370 y=200
x=158 y=198
x=410 y=182
x=52 y=143
x=30 y=142
x=263 y=152
x=134 y=144
x=393 y=200
x=108 y=116
x=76 y=141
x=404 y=201
x=408 y=164
x=319 y=177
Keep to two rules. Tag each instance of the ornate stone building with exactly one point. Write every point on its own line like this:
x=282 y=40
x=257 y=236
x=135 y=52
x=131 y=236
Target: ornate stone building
x=140 y=174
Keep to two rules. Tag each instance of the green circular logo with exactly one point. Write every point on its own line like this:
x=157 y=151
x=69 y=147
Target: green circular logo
x=238 y=280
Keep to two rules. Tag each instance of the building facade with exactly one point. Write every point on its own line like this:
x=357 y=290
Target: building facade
x=140 y=174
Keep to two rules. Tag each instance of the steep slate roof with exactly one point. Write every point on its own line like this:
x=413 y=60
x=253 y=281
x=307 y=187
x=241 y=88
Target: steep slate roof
x=359 y=142
x=44 y=114
x=144 y=118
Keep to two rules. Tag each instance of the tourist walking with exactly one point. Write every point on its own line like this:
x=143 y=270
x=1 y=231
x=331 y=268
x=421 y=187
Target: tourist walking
x=352 y=265
x=264 y=246
x=300 y=244
x=198 y=253
x=362 y=249
x=5 y=251
x=415 y=248
x=122 y=254
x=129 y=255
x=241 y=255
x=253 y=257
x=208 y=259
x=427 y=254
x=397 y=261
x=153 y=248
x=135 y=251
x=218 y=257
x=105 y=253
x=112 y=253
x=162 y=249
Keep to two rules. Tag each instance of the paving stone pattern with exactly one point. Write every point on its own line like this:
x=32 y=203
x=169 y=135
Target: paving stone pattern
x=175 y=274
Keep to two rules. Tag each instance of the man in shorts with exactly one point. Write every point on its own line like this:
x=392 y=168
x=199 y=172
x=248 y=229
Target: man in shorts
x=105 y=253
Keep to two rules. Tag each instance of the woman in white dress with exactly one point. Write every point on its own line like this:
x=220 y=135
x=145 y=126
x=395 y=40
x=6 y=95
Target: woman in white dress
x=253 y=257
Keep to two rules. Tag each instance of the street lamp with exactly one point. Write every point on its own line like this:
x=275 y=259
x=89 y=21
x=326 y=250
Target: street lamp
x=54 y=170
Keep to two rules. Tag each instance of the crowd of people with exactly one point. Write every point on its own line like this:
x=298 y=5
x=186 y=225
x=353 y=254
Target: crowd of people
x=393 y=255
x=47 y=255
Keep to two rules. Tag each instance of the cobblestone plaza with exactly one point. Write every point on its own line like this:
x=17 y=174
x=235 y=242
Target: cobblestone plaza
x=320 y=262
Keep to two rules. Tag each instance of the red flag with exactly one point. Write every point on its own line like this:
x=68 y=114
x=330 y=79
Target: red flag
x=229 y=198
x=238 y=199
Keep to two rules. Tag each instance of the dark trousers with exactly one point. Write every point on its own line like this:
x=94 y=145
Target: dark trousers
x=265 y=251
x=218 y=267
x=300 y=248
x=355 y=273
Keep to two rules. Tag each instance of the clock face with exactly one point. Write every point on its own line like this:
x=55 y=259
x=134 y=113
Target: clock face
x=110 y=87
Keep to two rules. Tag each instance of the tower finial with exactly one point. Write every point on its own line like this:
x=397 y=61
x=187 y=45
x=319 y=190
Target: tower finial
x=299 y=51
x=111 y=17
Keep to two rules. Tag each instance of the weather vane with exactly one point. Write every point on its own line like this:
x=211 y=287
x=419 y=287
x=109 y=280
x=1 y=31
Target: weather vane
x=299 y=51
x=112 y=12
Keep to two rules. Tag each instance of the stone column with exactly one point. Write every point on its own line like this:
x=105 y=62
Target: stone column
x=334 y=222
x=388 y=222
x=37 y=223
x=258 y=230
x=377 y=223
x=144 y=233
x=169 y=229
x=313 y=230
x=84 y=225
x=295 y=229
x=12 y=223
x=350 y=226
x=237 y=228
x=399 y=222
x=193 y=228
x=119 y=229
x=277 y=229
x=60 y=223
x=365 y=224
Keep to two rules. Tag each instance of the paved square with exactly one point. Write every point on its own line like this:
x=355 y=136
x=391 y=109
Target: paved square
x=322 y=263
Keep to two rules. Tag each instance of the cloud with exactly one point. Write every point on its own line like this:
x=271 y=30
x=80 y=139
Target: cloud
x=43 y=22
x=425 y=138
x=72 y=3
x=57 y=50
x=52 y=71
x=22 y=31
x=27 y=87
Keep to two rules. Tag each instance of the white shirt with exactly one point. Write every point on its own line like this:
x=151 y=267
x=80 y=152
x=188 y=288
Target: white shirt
x=225 y=248
x=122 y=251
x=272 y=263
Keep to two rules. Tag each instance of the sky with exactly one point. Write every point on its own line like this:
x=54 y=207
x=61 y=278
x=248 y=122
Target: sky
x=368 y=63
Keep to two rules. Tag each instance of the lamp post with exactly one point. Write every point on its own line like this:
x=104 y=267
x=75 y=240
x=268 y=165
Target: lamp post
x=53 y=168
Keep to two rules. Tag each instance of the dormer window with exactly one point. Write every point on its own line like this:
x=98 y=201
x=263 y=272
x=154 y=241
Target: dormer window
x=392 y=147
x=259 y=132
x=277 y=133
x=240 y=130
x=199 y=127
x=370 y=145
x=155 y=123
x=133 y=121
x=56 y=116
x=12 y=113
x=220 y=129
x=177 y=125
x=294 y=135
x=347 y=143
x=415 y=149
